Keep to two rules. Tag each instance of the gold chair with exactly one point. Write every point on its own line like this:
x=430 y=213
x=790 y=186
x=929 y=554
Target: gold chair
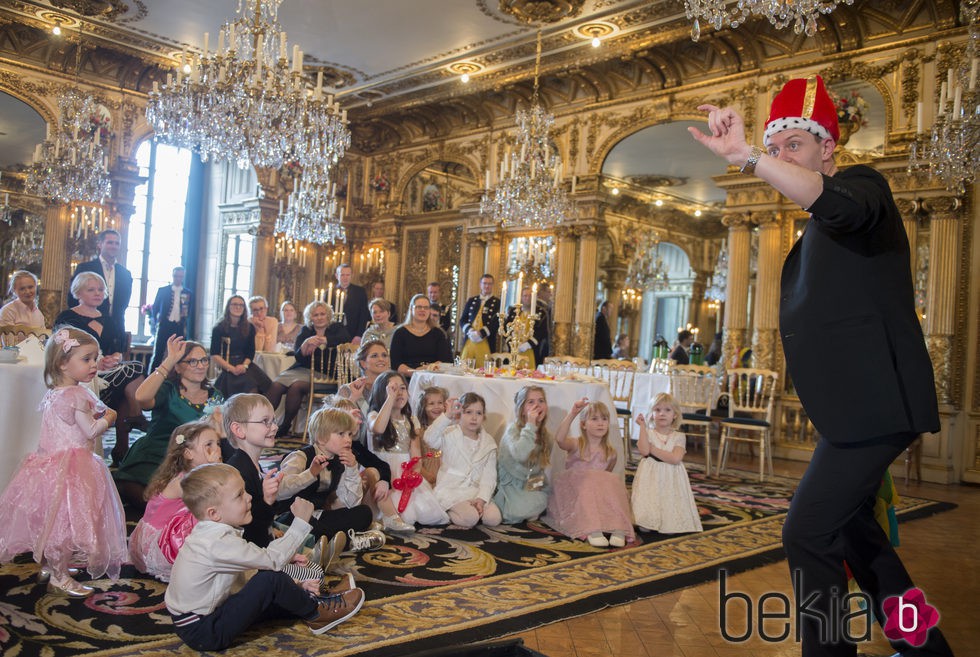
x=695 y=388
x=502 y=359
x=323 y=379
x=619 y=375
x=14 y=334
x=750 y=401
x=573 y=361
x=347 y=368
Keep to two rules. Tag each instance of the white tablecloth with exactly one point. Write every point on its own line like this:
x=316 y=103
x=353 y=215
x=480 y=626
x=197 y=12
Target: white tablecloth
x=499 y=394
x=273 y=363
x=21 y=389
x=645 y=388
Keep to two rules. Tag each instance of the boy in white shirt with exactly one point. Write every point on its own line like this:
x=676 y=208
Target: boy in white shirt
x=221 y=584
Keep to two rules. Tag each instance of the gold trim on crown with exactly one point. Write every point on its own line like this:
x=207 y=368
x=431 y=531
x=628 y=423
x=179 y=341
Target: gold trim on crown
x=809 y=97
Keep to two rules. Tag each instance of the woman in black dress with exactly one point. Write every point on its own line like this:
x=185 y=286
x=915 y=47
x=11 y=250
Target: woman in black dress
x=233 y=349
x=319 y=332
x=122 y=378
x=417 y=342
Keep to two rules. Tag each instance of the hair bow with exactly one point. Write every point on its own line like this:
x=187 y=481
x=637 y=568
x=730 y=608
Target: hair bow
x=180 y=439
x=66 y=342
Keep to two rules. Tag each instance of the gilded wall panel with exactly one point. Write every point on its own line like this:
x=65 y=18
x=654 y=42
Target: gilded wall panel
x=449 y=256
x=416 y=260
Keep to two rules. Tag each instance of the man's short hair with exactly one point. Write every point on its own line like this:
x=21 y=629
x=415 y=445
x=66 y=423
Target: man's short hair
x=490 y=276
x=435 y=283
x=201 y=488
x=238 y=408
x=684 y=335
x=106 y=233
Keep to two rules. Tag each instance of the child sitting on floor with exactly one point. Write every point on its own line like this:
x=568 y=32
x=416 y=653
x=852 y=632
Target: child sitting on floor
x=215 y=593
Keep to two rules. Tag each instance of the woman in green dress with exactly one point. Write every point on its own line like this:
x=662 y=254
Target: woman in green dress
x=177 y=391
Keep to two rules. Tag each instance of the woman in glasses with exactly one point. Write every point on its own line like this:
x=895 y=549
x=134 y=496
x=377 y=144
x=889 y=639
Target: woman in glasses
x=176 y=392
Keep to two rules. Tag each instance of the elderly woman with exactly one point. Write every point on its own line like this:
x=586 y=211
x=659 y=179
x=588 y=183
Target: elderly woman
x=122 y=377
x=288 y=326
x=372 y=358
x=381 y=326
x=176 y=392
x=23 y=309
x=417 y=342
x=233 y=350
x=320 y=331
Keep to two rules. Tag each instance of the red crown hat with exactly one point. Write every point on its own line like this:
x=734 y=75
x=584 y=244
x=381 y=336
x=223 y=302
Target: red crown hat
x=803 y=103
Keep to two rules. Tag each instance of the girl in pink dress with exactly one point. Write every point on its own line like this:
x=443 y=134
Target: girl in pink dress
x=166 y=521
x=588 y=500
x=62 y=505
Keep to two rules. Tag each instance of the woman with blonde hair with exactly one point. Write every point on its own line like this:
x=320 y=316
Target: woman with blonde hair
x=23 y=310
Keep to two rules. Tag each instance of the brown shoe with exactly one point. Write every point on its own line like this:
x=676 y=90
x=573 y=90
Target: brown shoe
x=335 y=609
x=345 y=584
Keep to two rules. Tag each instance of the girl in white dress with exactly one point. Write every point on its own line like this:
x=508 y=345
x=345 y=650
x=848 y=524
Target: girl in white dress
x=662 y=498
x=395 y=436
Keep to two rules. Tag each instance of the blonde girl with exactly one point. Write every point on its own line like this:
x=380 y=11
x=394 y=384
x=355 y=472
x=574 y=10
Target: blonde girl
x=662 y=497
x=523 y=459
x=61 y=505
x=395 y=436
x=588 y=499
x=431 y=404
x=166 y=522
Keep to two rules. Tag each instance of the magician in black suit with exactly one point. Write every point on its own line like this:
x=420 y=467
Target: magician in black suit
x=118 y=279
x=433 y=291
x=845 y=282
x=171 y=309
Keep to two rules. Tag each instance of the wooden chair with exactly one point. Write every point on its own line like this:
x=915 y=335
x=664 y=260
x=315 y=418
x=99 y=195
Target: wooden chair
x=750 y=402
x=619 y=375
x=696 y=388
x=323 y=379
x=14 y=334
x=502 y=359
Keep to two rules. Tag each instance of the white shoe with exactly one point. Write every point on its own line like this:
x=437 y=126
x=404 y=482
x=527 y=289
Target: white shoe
x=360 y=541
x=598 y=540
x=617 y=540
x=397 y=525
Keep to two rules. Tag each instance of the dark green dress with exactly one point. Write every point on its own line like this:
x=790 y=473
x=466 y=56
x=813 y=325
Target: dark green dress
x=170 y=410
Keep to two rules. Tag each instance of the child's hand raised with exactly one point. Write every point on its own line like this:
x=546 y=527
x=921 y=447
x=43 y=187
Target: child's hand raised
x=454 y=410
x=347 y=457
x=317 y=464
x=392 y=387
x=640 y=419
x=357 y=388
x=579 y=405
x=302 y=509
x=270 y=485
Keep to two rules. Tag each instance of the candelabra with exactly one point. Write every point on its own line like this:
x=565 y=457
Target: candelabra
x=533 y=257
x=529 y=191
x=719 y=13
x=518 y=330
x=70 y=165
x=717 y=289
x=632 y=300
x=247 y=102
x=646 y=270
x=952 y=149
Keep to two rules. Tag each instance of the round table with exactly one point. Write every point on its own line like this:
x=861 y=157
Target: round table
x=21 y=390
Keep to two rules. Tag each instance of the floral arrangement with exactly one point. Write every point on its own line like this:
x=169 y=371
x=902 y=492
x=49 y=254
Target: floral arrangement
x=380 y=183
x=851 y=108
x=101 y=123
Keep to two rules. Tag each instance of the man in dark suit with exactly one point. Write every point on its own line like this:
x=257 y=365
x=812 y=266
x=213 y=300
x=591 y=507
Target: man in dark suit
x=378 y=292
x=118 y=280
x=602 y=343
x=433 y=291
x=846 y=281
x=480 y=321
x=681 y=351
x=356 y=314
x=171 y=308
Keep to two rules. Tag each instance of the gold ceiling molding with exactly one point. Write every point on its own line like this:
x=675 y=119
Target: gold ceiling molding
x=542 y=11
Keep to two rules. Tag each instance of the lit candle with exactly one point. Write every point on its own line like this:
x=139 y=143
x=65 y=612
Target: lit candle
x=949 y=79
x=221 y=41
x=503 y=293
x=280 y=206
x=520 y=286
x=316 y=293
x=957 y=101
x=231 y=36
x=973 y=74
x=206 y=37
x=942 y=99
x=918 y=118
x=282 y=46
x=487 y=184
x=534 y=298
x=297 y=59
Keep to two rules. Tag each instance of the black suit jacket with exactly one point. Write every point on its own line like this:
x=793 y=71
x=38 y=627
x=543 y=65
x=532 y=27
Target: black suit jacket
x=164 y=300
x=356 y=315
x=854 y=347
x=602 y=345
x=122 y=291
x=491 y=318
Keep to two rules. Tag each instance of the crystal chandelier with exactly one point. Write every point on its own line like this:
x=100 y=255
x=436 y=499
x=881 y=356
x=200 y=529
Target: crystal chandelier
x=718 y=282
x=312 y=214
x=528 y=191
x=952 y=149
x=27 y=244
x=533 y=257
x=247 y=102
x=802 y=13
x=71 y=165
x=646 y=270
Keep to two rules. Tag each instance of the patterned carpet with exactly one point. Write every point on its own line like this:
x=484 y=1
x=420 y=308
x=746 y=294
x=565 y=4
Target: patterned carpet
x=437 y=587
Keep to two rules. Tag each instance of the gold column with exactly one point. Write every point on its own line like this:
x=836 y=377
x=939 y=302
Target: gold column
x=55 y=263
x=585 y=307
x=392 y=278
x=564 y=291
x=615 y=269
x=940 y=325
x=476 y=268
x=907 y=208
x=737 y=293
x=766 y=315
x=265 y=245
x=495 y=258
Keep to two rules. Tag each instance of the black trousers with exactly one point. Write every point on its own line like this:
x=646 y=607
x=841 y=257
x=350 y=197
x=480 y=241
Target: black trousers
x=268 y=595
x=830 y=521
x=164 y=331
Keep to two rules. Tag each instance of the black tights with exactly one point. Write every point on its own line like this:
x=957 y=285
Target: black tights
x=294 y=399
